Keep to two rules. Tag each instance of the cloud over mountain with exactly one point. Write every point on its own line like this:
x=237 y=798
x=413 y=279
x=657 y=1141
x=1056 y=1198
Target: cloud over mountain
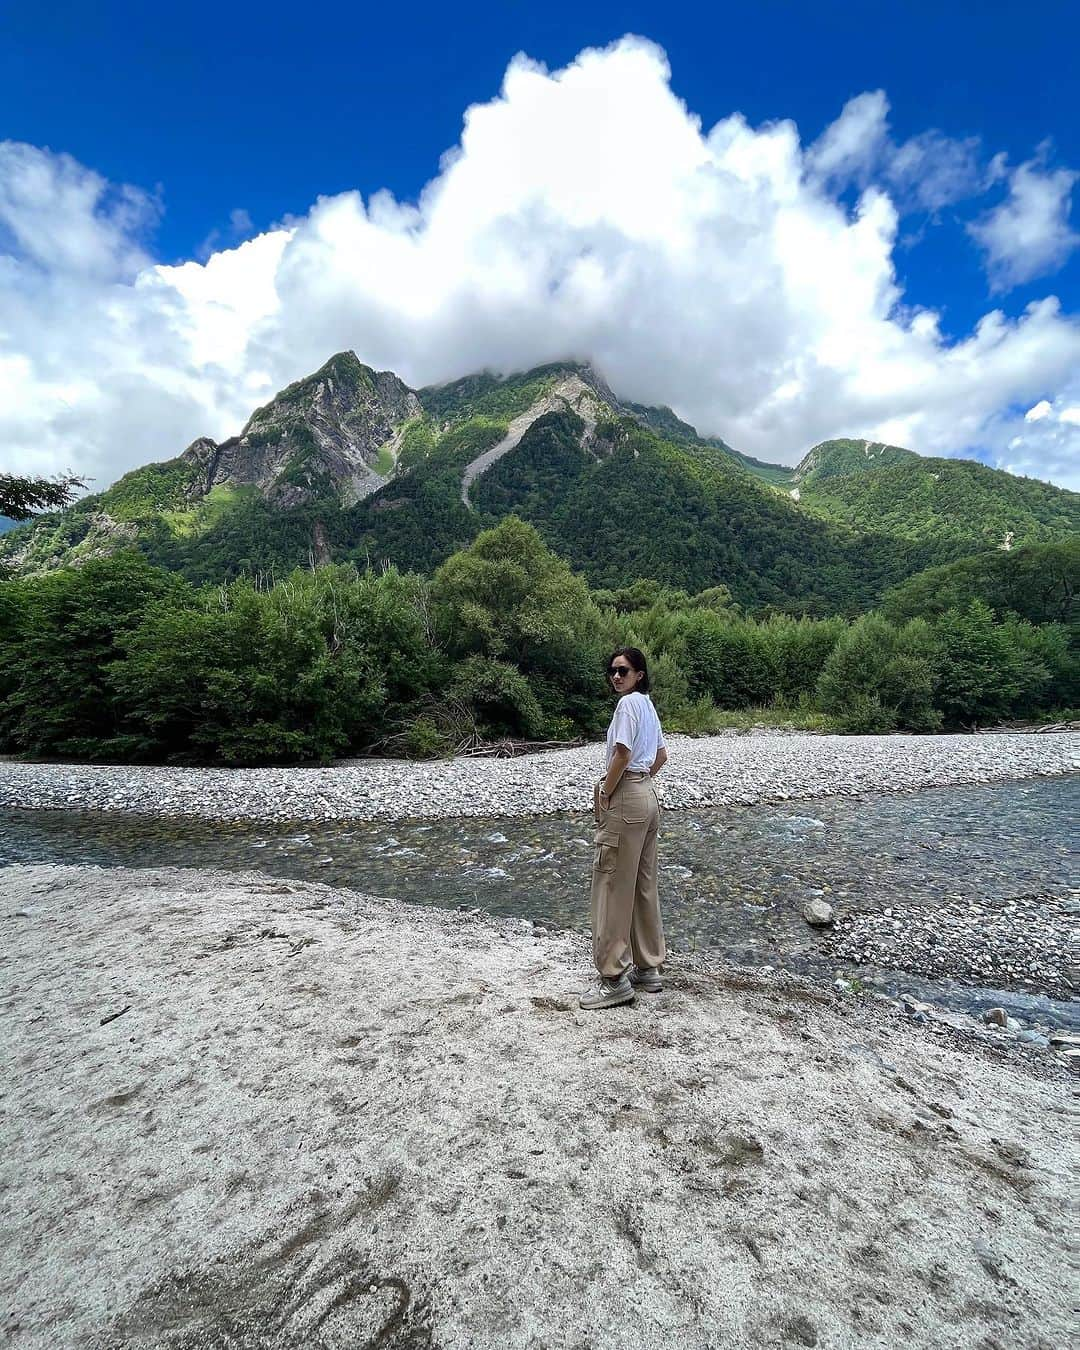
x=587 y=214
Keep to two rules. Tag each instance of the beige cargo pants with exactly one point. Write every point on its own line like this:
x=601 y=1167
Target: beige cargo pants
x=625 y=905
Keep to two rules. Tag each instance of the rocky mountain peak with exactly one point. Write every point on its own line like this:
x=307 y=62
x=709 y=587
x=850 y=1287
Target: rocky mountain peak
x=322 y=435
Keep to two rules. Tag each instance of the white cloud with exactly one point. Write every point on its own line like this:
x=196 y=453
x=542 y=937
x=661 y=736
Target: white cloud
x=1028 y=234
x=1049 y=449
x=925 y=173
x=240 y=227
x=931 y=171
x=851 y=147
x=586 y=213
x=64 y=217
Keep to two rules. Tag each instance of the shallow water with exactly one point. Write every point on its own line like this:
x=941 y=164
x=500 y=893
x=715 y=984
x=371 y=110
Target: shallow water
x=734 y=878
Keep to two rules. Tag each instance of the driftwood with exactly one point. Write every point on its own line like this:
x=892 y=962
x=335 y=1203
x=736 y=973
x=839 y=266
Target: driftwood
x=1013 y=730
x=474 y=748
x=452 y=717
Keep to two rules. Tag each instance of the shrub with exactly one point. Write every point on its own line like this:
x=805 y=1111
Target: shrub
x=497 y=697
x=424 y=740
x=879 y=676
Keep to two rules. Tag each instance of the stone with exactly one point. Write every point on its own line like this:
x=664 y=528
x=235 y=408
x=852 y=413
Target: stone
x=819 y=913
x=915 y=1006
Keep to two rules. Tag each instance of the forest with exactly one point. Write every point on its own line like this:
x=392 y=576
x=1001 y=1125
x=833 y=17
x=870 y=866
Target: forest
x=126 y=661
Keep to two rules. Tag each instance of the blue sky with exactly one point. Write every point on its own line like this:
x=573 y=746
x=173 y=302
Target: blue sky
x=232 y=119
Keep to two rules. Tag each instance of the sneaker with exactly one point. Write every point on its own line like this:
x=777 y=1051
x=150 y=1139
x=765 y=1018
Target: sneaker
x=609 y=994
x=646 y=978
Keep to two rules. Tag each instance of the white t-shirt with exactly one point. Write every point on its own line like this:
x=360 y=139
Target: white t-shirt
x=636 y=726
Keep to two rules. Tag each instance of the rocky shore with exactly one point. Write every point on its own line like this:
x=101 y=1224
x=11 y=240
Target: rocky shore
x=250 y=1113
x=708 y=771
x=1027 y=944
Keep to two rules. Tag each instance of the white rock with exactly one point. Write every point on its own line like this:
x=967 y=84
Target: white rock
x=819 y=913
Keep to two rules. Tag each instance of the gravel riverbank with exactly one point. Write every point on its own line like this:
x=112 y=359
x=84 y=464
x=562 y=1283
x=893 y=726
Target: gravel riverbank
x=239 y=1111
x=1026 y=944
x=707 y=771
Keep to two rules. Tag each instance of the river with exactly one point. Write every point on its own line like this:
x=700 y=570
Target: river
x=735 y=878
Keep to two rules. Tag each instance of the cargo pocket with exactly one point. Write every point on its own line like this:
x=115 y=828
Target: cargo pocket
x=607 y=850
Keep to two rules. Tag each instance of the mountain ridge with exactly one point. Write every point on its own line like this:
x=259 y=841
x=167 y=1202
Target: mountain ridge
x=350 y=462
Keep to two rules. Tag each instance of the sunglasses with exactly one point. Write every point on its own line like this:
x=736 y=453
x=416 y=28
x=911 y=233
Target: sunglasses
x=620 y=671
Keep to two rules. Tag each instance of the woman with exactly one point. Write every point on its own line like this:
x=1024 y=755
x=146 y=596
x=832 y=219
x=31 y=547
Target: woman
x=628 y=937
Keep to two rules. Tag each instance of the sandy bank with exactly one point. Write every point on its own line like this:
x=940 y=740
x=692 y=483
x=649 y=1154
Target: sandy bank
x=707 y=771
x=327 y=1121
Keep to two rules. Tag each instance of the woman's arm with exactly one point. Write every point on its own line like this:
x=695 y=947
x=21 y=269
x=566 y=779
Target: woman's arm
x=619 y=760
x=658 y=763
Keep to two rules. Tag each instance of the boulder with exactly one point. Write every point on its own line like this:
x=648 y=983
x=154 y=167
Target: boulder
x=819 y=913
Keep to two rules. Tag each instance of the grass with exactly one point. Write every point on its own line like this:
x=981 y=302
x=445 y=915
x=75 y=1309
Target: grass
x=205 y=515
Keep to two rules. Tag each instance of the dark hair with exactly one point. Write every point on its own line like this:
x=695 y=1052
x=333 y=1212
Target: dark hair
x=637 y=661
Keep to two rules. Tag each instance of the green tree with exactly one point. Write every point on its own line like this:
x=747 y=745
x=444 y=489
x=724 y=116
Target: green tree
x=1039 y=583
x=800 y=649
x=508 y=598
x=21 y=498
x=987 y=670
x=253 y=676
x=879 y=676
x=66 y=629
x=731 y=660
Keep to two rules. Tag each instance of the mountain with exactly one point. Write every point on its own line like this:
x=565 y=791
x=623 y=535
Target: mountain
x=333 y=433
x=939 y=503
x=351 y=464
x=841 y=458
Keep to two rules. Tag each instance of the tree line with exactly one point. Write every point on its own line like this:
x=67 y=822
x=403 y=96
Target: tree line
x=120 y=660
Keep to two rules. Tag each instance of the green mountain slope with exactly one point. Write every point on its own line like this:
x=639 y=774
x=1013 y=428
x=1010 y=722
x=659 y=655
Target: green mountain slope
x=1039 y=583
x=650 y=508
x=671 y=428
x=946 y=503
x=840 y=458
